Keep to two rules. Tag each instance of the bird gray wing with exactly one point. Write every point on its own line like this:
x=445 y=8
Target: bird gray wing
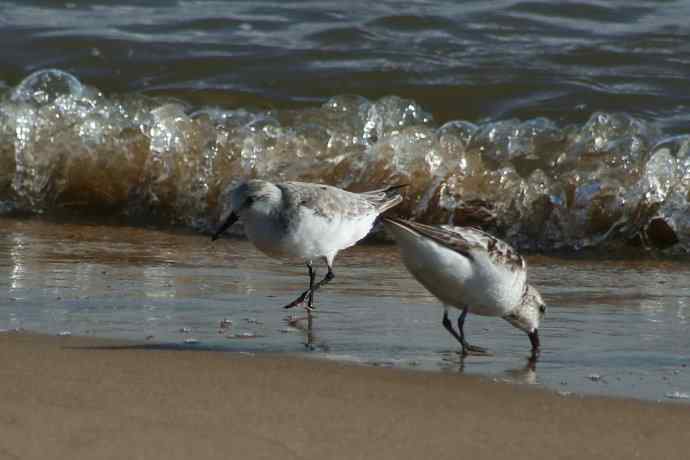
x=467 y=240
x=325 y=200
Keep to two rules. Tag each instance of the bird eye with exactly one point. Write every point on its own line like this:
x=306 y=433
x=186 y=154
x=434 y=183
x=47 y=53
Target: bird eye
x=542 y=309
x=248 y=202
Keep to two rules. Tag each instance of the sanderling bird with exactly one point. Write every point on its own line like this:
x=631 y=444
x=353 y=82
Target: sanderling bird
x=473 y=271
x=306 y=221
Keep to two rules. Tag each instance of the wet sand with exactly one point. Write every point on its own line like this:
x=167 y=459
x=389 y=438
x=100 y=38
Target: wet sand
x=82 y=398
x=613 y=328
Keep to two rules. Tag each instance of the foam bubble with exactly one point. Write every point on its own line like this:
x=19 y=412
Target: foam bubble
x=613 y=180
x=44 y=86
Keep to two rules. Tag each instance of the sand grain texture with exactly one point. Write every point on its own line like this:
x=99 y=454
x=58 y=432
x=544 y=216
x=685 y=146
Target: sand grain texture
x=80 y=398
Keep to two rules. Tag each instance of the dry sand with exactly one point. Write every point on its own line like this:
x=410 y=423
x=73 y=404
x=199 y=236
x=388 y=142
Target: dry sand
x=81 y=398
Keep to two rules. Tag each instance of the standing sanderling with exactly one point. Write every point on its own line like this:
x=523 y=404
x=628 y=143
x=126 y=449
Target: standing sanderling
x=471 y=270
x=306 y=221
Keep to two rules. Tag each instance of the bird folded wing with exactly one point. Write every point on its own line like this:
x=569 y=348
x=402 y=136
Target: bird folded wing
x=465 y=240
x=325 y=200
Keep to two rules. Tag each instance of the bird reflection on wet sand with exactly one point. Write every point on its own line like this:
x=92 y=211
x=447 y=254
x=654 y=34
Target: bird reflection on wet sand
x=452 y=361
x=305 y=325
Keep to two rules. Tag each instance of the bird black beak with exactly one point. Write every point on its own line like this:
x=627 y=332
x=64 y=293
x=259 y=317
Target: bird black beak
x=534 y=338
x=232 y=218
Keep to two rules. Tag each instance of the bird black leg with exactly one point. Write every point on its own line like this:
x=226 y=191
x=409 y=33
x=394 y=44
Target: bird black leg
x=309 y=292
x=449 y=327
x=534 y=339
x=312 y=288
x=326 y=279
x=466 y=347
x=312 y=277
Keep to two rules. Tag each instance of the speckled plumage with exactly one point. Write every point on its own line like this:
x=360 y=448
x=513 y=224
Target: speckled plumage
x=466 y=239
x=471 y=270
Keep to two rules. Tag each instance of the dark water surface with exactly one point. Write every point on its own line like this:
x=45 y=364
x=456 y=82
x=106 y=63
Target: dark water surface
x=460 y=60
x=617 y=328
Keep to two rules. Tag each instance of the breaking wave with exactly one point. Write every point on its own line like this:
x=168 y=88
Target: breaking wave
x=613 y=182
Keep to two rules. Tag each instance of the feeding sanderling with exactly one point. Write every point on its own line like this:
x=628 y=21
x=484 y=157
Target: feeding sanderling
x=306 y=221
x=471 y=270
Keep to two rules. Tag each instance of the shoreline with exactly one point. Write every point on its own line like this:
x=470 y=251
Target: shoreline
x=79 y=397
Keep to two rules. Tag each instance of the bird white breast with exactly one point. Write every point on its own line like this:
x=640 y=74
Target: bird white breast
x=456 y=280
x=308 y=236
